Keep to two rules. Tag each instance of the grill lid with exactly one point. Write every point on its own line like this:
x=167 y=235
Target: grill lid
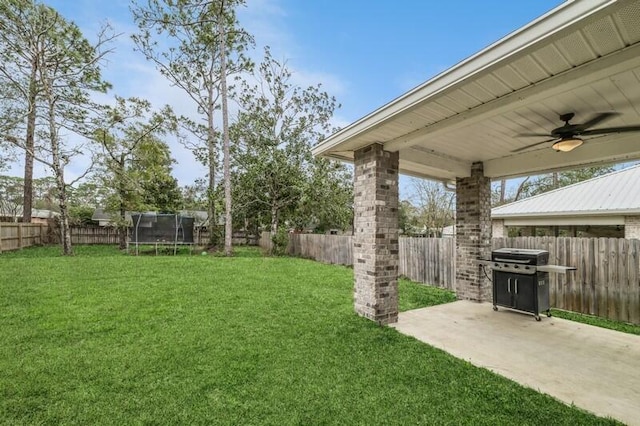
x=521 y=256
x=517 y=251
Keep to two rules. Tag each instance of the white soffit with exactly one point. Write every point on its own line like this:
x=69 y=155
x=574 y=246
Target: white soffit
x=582 y=57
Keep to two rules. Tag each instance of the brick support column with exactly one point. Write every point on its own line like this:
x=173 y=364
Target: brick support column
x=632 y=227
x=375 y=246
x=473 y=234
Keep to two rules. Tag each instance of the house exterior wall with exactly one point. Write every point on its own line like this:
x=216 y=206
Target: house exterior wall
x=632 y=227
x=498 y=230
x=375 y=247
x=473 y=234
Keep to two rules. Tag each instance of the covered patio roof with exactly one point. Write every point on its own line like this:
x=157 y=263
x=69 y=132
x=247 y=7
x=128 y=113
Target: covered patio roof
x=582 y=57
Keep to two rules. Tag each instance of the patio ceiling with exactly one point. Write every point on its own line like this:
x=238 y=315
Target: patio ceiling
x=582 y=57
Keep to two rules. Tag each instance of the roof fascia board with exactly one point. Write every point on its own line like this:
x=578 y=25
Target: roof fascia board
x=570 y=220
x=574 y=213
x=550 y=23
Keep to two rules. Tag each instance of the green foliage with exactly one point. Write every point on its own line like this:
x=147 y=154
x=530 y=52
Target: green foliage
x=81 y=215
x=53 y=71
x=91 y=193
x=135 y=162
x=102 y=338
x=597 y=321
x=194 y=196
x=195 y=35
x=414 y=295
x=11 y=190
x=276 y=180
x=280 y=241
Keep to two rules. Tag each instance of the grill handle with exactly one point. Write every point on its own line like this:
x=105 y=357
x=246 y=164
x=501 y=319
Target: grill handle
x=522 y=261
x=508 y=285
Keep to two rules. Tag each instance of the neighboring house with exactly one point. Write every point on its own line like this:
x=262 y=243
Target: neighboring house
x=108 y=219
x=605 y=206
x=37 y=215
x=201 y=217
x=449 y=231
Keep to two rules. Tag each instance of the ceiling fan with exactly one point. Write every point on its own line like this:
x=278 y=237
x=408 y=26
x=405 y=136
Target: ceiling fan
x=567 y=137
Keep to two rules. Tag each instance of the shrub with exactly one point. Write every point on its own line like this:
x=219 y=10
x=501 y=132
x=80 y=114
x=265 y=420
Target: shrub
x=280 y=242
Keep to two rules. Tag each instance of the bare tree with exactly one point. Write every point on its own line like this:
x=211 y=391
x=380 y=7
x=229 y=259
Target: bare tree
x=434 y=204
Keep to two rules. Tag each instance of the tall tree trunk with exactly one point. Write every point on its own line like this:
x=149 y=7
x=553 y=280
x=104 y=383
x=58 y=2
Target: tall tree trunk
x=211 y=151
x=274 y=220
x=58 y=171
x=58 y=164
x=520 y=188
x=27 y=201
x=65 y=230
x=122 y=227
x=228 y=225
x=503 y=188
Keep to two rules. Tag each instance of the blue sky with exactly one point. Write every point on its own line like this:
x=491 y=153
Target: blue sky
x=364 y=52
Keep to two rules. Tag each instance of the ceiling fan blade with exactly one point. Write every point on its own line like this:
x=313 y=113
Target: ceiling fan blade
x=532 y=145
x=607 y=130
x=530 y=135
x=597 y=119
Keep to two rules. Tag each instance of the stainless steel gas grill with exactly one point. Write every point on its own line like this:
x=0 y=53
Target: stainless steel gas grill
x=519 y=280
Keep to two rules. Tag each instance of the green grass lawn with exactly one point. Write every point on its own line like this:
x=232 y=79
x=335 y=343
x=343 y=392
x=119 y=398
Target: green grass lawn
x=102 y=338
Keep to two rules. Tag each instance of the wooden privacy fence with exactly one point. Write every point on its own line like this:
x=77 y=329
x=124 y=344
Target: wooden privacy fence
x=336 y=249
x=94 y=235
x=606 y=282
x=425 y=260
x=15 y=236
x=428 y=260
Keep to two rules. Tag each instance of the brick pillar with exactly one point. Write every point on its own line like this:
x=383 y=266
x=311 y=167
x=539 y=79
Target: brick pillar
x=632 y=227
x=375 y=246
x=473 y=234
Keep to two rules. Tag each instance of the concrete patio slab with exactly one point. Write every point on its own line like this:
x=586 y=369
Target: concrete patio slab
x=594 y=368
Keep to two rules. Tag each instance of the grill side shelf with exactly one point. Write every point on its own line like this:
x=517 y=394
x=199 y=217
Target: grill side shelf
x=525 y=269
x=557 y=269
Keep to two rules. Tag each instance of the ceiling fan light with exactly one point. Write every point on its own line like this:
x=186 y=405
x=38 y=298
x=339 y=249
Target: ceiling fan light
x=568 y=144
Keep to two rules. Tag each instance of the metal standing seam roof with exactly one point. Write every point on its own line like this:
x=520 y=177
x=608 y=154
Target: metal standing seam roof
x=613 y=193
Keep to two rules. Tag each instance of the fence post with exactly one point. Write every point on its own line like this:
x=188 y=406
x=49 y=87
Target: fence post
x=20 y=236
x=41 y=234
x=0 y=237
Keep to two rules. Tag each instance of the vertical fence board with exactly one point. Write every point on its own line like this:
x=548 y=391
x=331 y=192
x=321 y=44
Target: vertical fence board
x=633 y=274
x=622 y=287
x=15 y=236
